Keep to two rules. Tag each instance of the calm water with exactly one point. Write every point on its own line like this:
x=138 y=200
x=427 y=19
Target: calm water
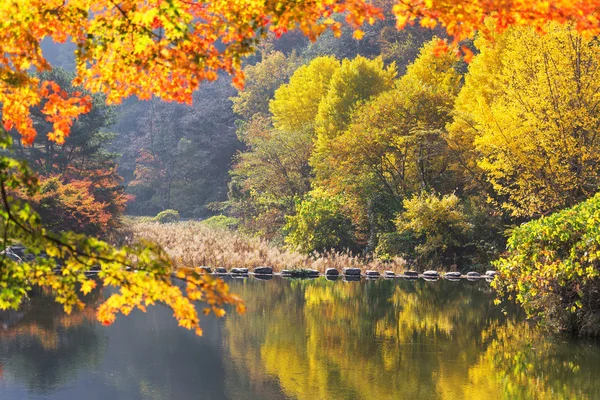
x=303 y=340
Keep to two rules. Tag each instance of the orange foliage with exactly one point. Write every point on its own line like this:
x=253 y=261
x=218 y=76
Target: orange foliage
x=90 y=204
x=166 y=48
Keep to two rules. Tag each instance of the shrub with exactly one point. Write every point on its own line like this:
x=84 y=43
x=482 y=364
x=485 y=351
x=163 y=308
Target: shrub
x=438 y=227
x=167 y=217
x=319 y=224
x=552 y=268
x=393 y=244
x=222 y=221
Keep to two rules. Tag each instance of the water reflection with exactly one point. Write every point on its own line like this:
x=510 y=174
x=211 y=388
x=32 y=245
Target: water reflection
x=301 y=339
x=389 y=339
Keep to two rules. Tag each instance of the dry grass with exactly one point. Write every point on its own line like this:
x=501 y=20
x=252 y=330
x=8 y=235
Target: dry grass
x=193 y=244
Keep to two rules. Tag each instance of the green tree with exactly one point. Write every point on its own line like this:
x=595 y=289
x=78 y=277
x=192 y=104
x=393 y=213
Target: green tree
x=319 y=224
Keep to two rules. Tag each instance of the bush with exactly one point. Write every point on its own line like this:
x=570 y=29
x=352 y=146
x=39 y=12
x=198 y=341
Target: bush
x=394 y=244
x=438 y=227
x=552 y=267
x=319 y=224
x=222 y=222
x=167 y=217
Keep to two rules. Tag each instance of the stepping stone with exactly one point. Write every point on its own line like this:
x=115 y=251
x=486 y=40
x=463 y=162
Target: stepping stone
x=331 y=272
x=389 y=274
x=220 y=270
x=452 y=275
x=431 y=274
x=411 y=274
x=491 y=273
x=239 y=271
x=263 y=271
x=473 y=274
x=352 y=271
x=206 y=270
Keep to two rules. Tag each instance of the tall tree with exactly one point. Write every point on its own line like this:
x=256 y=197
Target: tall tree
x=530 y=112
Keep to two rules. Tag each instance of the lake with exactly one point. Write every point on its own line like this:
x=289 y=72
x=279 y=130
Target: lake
x=300 y=339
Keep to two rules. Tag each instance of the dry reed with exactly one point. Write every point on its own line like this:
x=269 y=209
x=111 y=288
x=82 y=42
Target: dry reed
x=193 y=244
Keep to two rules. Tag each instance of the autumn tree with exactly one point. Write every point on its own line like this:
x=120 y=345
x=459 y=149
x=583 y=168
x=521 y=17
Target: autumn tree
x=356 y=81
x=532 y=121
x=393 y=146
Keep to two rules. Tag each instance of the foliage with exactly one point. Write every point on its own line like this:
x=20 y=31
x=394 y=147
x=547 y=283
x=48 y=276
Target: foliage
x=439 y=226
x=532 y=122
x=552 y=268
x=356 y=81
x=167 y=217
x=70 y=206
x=296 y=103
x=394 y=145
x=261 y=81
x=222 y=222
x=166 y=49
x=177 y=156
x=141 y=272
x=319 y=224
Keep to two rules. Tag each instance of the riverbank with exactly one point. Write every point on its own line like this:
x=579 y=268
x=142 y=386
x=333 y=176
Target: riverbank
x=193 y=244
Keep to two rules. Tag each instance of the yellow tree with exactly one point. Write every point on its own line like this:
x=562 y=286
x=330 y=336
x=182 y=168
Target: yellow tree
x=355 y=82
x=296 y=103
x=394 y=145
x=529 y=109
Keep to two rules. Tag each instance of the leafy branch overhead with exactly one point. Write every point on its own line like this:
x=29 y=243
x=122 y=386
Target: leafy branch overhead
x=167 y=48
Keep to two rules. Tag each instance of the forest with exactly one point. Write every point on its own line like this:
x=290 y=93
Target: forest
x=432 y=144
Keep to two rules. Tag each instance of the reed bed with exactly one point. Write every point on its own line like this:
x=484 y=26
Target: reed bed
x=193 y=244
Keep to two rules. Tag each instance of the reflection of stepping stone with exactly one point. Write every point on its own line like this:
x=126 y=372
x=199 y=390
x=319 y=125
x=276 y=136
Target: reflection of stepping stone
x=239 y=276
x=351 y=278
x=411 y=274
x=372 y=274
x=431 y=274
x=263 y=277
x=473 y=276
x=263 y=271
x=239 y=270
x=286 y=272
x=332 y=277
x=452 y=275
x=491 y=274
x=389 y=274
x=352 y=271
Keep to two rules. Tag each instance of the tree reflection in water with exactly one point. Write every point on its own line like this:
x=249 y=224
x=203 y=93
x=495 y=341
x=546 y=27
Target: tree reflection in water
x=46 y=348
x=396 y=339
x=302 y=339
